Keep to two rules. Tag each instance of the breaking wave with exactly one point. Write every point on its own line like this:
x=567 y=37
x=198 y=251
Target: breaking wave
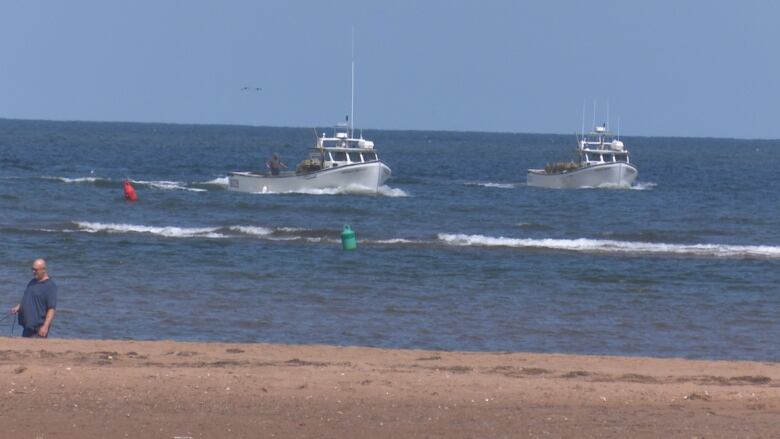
x=616 y=247
x=90 y=180
x=252 y=230
x=580 y=245
x=167 y=231
x=155 y=184
x=492 y=185
x=395 y=241
x=352 y=189
x=167 y=185
x=234 y=231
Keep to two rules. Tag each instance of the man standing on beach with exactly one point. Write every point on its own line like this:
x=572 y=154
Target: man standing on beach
x=39 y=303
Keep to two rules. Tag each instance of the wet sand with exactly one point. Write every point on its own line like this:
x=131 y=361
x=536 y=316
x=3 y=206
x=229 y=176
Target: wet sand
x=111 y=389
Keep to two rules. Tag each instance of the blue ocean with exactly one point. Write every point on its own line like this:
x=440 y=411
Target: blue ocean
x=454 y=253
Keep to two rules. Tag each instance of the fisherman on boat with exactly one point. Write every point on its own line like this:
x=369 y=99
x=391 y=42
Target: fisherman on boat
x=275 y=164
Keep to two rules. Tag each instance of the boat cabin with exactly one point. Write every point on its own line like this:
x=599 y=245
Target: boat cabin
x=600 y=146
x=340 y=149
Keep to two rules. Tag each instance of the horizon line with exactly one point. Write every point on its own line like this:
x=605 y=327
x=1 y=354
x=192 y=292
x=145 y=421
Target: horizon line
x=224 y=124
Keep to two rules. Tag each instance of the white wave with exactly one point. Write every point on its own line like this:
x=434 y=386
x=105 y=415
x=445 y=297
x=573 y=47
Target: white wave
x=219 y=181
x=492 y=185
x=252 y=230
x=395 y=241
x=387 y=191
x=638 y=186
x=618 y=247
x=76 y=180
x=354 y=189
x=167 y=185
x=348 y=189
x=292 y=229
x=168 y=232
x=642 y=186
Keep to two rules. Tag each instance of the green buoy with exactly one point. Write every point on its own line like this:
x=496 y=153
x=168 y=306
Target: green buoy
x=348 y=239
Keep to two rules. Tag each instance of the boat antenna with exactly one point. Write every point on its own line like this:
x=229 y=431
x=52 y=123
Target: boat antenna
x=594 y=113
x=607 y=113
x=352 y=104
x=582 y=133
x=618 y=130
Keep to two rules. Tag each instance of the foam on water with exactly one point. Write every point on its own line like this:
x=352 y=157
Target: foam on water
x=387 y=191
x=156 y=184
x=219 y=181
x=252 y=230
x=167 y=231
x=395 y=241
x=492 y=185
x=168 y=185
x=77 y=180
x=616 y=247
x=352 y=189
x=643 y=186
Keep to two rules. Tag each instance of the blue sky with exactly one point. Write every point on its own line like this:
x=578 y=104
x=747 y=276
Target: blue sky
x=667 y=68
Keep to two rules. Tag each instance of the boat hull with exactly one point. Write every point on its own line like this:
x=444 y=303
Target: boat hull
x=603 y=175
x=368 y=176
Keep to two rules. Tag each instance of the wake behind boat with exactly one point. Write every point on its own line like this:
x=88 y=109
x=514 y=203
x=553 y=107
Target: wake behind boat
x=602 y=161
x=336 y=161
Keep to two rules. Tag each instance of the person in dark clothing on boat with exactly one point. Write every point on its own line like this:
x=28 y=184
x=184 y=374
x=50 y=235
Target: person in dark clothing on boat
x=275 y=164
x=39 y=303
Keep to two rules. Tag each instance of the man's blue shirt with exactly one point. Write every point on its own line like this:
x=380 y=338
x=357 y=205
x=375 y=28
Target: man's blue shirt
x=39 y=297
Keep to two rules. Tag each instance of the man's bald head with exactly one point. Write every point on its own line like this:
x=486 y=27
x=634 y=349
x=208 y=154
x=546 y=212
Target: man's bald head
x=39 y=269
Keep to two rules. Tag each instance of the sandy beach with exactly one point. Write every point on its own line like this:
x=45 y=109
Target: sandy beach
x=59 y=388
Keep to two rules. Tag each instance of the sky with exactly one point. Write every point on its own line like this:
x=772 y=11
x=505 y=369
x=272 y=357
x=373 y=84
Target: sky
x=662 y=68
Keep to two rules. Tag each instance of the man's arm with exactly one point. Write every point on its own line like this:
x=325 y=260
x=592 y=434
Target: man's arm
x=15 y=309
x=43 y=331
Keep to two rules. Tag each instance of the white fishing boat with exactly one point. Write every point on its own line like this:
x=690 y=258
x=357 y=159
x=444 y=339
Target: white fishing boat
x=337 y=161
x=602 y=161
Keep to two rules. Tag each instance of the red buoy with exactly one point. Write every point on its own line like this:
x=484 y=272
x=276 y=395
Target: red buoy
x=130 y=194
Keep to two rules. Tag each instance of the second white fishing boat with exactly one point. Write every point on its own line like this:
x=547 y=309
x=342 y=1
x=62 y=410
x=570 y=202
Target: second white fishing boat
x=602 y=161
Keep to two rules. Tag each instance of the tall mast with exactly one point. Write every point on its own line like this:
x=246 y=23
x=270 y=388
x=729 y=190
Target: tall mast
x=352 y=104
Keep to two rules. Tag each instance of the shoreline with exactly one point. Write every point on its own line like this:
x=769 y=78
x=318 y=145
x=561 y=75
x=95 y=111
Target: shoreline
x=71 y=388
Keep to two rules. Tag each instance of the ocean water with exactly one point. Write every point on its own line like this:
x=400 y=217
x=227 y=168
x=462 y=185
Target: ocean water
x=455 y=253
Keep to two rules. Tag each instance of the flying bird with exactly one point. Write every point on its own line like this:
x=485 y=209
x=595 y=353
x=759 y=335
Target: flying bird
x=246 y=88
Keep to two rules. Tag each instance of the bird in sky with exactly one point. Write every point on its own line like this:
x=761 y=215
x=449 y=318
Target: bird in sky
x=247 y=88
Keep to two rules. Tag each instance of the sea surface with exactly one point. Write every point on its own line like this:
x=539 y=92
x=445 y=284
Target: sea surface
x=455 y=253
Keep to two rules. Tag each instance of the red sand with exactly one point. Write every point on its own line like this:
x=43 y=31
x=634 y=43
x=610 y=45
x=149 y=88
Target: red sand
x=58 y=388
